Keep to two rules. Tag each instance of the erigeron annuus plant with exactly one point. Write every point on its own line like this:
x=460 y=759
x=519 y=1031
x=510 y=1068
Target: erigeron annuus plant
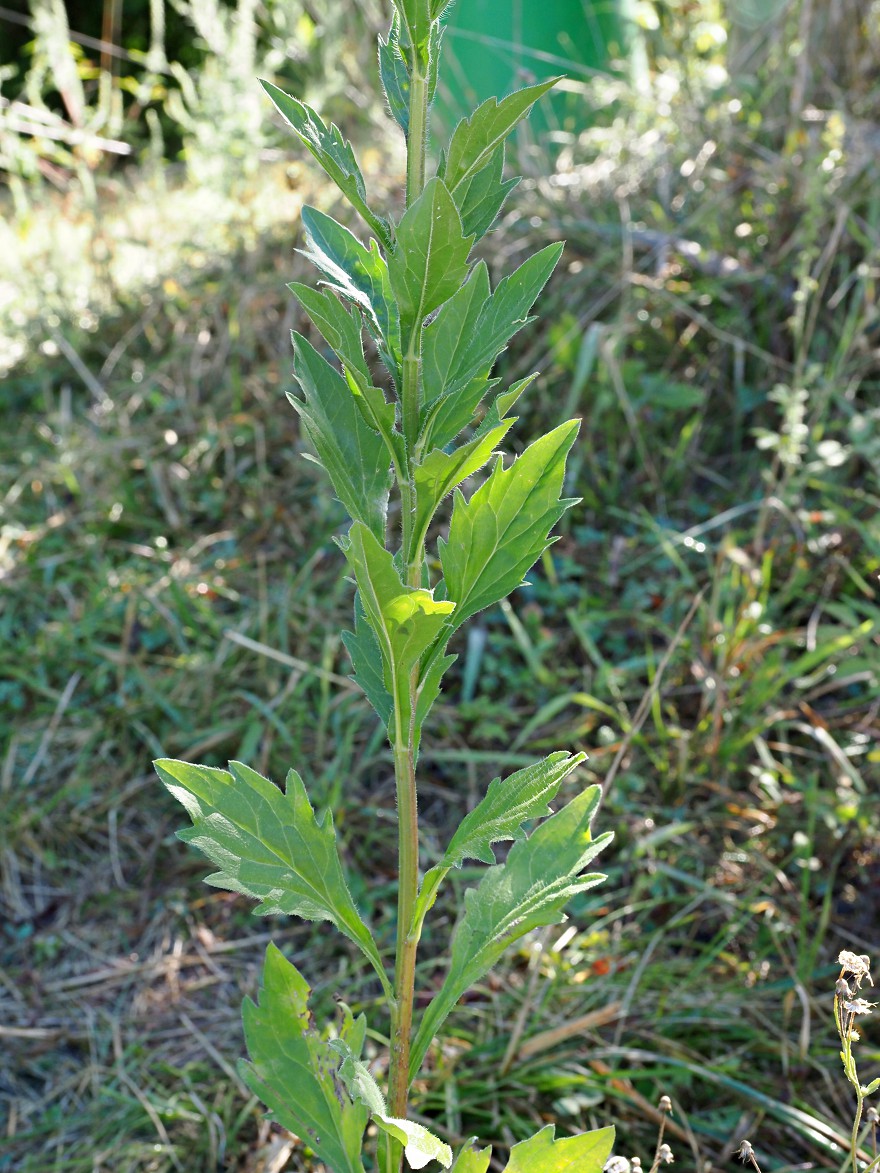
x=438 y=327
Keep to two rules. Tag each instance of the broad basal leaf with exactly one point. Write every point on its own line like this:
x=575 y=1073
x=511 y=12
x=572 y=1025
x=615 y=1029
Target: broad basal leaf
x=296 y=1073
x=406 y=620
x=499 y=816
x=355 y=457
x=471 y=1159
x=429 y=262
x=331 y=150
x=475 y=140
x=420 y=1145
x=357 y=272
x=585 y=1153
x=394 y=72
x=498 y=535
x=530 y=889
x=268 y=845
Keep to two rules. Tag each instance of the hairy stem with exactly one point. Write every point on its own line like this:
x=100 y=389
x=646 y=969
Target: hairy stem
x=417 y=139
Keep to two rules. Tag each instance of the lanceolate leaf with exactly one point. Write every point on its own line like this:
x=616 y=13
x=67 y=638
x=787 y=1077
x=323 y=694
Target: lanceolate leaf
x=498 y=535
x=500 y=815
x=480 y=198
x=440 y=472
x=268 y=845
x=296 y=1072
x=451 y=332
x=355 y=457
x=395 y=76
x=474 y=326
x=331 y=150
x=585 y=1153
x=406 y=620
x=357 y=272
x=476 y=139
x=366 y=658
x=340 y=327
x=416 y=17
x=531 y=889
x=429 y=262
x=506 y=312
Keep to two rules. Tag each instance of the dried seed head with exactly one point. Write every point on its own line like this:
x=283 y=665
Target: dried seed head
x=857 y=964
x=617 y=1165
x=746 y=1152
x=842 y=990
x=665 y=1154
x=635 y=1163
x=872 y=1116
x=665 y=1104
x=859 y=1006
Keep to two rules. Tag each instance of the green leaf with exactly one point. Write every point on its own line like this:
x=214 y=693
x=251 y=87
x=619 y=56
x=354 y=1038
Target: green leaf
x=586 y=1153
x=340 y=329
x=429 y=687
x=406 y=620
x=476 y=139
x=498 y=535
x=417 y=20
x=429 y=262
x=499 y=816
x=440 y=472
x=420 y=1145
x=268 y=845
x=357 y=272
x=529 y=890
x=471 y=1159
x=480 y=198
x=450 y=333
x=472 y=328
x=872 y=1087
x=394 y=72
x=295 y=1072
x=506 y=806
x=355 y=457
x=366 y=658
x=331 y=150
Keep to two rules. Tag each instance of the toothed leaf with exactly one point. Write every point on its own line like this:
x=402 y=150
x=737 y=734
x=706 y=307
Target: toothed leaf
x=476 y=139
x=395 y=77
x=429 y=262
x=296 y=1073
x=585 y=1153
x=267 y=844
x=531 y=889
x=355 y=457
x=332 y=151
x=357 y=272
x=498 y=535
x=366 y=658
x=406 y=619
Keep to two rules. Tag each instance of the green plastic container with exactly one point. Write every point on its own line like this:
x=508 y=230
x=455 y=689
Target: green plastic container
x=492 y=47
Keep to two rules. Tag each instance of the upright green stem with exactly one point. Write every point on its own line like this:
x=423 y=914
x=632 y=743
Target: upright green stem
x=417 y=140
x=405 y=726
